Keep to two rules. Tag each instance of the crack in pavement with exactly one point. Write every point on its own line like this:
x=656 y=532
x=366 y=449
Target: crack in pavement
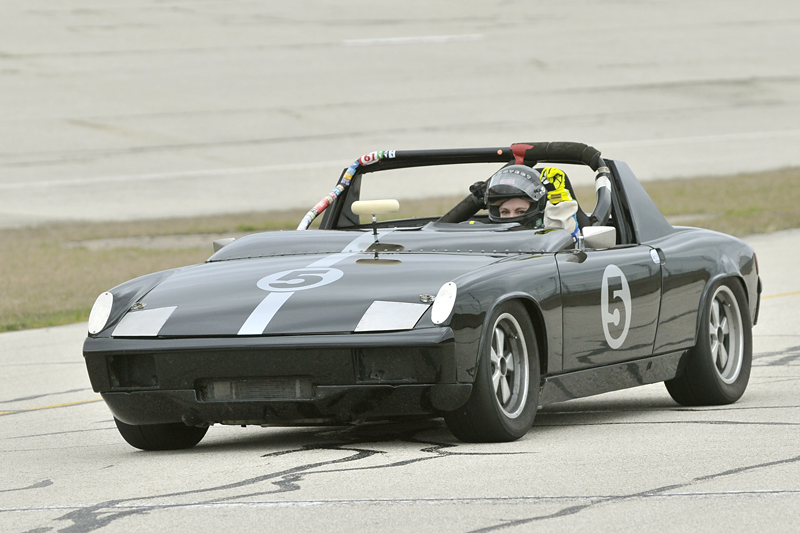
x=652 y=492
x=44 y=395
x=97 y=516
x=58 y=433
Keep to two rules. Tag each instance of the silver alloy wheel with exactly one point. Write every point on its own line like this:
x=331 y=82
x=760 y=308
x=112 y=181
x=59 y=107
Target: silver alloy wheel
x=509 y=359
x=726 y=334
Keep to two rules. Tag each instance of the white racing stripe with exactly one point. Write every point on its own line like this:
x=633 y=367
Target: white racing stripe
x=262 y=315
x=257 y=322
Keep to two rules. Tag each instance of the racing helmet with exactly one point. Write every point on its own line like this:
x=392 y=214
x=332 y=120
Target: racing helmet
x=516 y=181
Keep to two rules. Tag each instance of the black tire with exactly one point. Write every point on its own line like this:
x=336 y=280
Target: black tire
x=153 y=437
x=502 y=409
x=718 y=367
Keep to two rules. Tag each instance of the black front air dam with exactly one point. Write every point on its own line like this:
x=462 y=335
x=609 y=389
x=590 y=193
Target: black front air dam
x=339 y=379
x=330 y=405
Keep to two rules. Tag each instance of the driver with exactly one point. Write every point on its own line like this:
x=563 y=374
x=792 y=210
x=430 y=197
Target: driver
x=518 y=193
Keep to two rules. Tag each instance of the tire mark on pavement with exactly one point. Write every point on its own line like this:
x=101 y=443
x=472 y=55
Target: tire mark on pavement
x=39 y=485
x=789 y=356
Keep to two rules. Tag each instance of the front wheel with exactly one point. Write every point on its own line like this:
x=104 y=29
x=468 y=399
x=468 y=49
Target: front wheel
x=177 y=436
x=718 y=368
x=505 y=394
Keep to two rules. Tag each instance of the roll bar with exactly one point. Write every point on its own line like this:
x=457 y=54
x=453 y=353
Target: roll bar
x=521 y=153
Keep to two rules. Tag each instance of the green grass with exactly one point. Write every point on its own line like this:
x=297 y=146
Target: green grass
x=48 y=278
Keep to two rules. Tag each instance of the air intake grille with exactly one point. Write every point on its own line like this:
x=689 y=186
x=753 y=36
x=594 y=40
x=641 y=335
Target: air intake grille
x=251 y=389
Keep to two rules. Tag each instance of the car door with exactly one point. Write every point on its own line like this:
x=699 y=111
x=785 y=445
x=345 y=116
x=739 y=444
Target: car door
x=610 y=304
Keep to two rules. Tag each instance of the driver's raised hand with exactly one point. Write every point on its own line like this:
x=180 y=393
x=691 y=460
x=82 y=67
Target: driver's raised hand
x=555 y=182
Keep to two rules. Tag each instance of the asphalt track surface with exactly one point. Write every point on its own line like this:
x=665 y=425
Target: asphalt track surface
x=628 y=460
x=146 y=108
x=172 y=108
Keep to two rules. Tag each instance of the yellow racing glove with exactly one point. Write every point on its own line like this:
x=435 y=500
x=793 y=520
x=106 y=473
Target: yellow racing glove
x=555 y=181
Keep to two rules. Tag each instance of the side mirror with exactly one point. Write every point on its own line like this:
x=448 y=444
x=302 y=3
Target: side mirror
x=375 y=207
x=599 y=236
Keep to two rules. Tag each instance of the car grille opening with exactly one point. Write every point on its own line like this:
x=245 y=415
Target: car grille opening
x=226 y=390
x=132 y=371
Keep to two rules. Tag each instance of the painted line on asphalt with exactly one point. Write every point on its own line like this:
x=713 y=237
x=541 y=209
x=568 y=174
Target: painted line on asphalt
x=795 y=293
x=723 y=137
x=68 y=404
x=427 y=39
x=238 y=171
x=158 y=176
x=395 y=501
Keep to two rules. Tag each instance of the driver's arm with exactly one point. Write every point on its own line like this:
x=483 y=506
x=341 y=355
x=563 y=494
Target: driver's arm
x=561 y=208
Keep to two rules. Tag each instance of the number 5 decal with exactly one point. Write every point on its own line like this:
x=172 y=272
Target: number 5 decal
x=608 y=317
x=281 y=286
x=299 y=279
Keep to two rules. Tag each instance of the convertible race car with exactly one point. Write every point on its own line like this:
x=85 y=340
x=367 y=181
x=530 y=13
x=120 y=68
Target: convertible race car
x=456 y=315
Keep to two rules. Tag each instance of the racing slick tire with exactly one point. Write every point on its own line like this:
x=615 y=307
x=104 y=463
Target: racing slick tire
x=718 y=367
x=505 y=394
x=151 y=437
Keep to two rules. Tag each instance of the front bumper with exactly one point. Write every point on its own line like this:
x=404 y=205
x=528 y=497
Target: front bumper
x=320 y=379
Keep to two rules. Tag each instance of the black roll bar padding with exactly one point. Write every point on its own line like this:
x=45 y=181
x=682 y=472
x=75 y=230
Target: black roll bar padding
x=420 y=158
x=602 y=209
x=562 y=152
x=555 y=152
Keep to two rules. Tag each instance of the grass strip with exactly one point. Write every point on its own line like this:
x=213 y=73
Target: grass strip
x=51 y=274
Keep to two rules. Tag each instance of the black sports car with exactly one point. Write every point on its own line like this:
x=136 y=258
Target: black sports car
x=452 y=315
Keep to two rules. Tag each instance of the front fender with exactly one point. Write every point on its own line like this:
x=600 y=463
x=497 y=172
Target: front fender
x=128 y=293
x=533 y=280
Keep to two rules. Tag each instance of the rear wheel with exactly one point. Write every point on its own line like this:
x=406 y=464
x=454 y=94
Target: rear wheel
x=505 y=394
x=718 y=368
x=151 y=437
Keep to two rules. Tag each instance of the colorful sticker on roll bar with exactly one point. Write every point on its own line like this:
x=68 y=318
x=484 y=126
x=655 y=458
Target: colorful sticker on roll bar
x=374 y=157
x=623 y=294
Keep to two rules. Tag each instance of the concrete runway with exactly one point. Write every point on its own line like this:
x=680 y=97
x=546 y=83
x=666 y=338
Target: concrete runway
x=173 y=108
x=628 y=460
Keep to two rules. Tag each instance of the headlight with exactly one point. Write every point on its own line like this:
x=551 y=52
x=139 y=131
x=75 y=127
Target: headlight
x=100 y=311
x=444 y=302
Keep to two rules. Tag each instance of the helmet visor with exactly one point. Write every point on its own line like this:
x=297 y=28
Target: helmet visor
x=514 y=182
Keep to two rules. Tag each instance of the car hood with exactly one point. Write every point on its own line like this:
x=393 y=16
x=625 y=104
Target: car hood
x=290 y=295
